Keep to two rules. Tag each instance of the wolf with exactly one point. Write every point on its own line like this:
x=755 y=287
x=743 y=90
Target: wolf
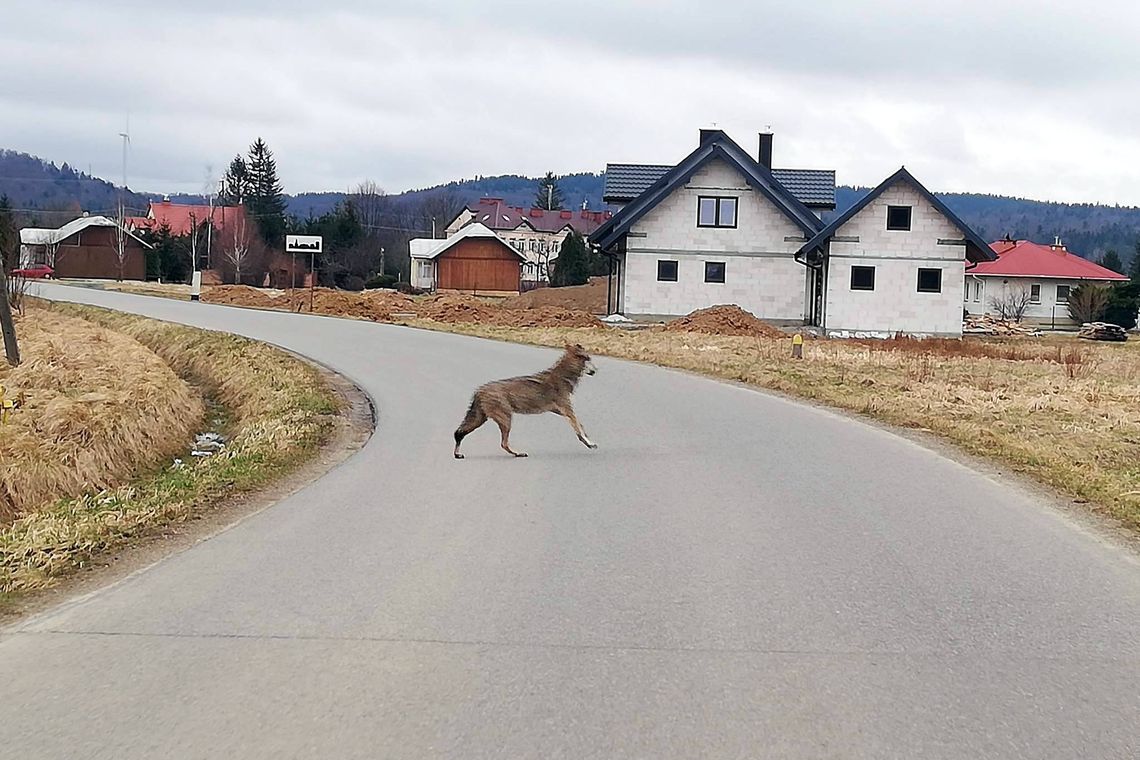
x=546 y=391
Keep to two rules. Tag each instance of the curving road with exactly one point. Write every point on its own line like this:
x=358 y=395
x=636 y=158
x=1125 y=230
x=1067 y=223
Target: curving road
x=729 y=575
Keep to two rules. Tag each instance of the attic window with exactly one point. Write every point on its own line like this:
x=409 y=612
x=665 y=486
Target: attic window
x=898 y=217
x=716 y=212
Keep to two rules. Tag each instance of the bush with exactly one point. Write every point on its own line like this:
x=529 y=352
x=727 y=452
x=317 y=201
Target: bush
x=1123 y=302
x=572 y=267
x=409 y=289
x=1087 y=302
x=381 y=281
x=352 y=282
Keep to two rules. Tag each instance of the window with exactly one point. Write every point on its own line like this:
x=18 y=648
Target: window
x=1062 y=294
x=714 y=271
x=978 y=291
x=862 y=278
x=929 y=280
x=716 y=212
x=1035 y=293
x=666 y=271
x=898 y=217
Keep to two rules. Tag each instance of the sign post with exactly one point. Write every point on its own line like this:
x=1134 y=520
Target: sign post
x=196 y=286
x=797 y=346
x=312 y=245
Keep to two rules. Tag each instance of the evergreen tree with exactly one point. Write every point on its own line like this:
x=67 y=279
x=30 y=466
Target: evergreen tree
x=1111 y=260
x=9 y=236
x=549 y=195
x=573 y=264
x=1123 y=304
x=1134 y=270
x=266 y=202
x=171 y=256
x=235 y=185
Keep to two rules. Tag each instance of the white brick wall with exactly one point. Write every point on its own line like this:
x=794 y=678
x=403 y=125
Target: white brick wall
x=895 y=305
x=769 y=287
x=760 y=273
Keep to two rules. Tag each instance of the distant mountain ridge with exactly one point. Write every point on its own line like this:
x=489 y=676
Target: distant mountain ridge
x=1088 y=229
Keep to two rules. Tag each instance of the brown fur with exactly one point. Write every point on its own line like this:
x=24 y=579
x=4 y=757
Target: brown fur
x=547 y=391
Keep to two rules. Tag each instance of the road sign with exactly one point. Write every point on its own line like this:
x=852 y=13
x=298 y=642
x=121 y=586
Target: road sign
x=303 y=243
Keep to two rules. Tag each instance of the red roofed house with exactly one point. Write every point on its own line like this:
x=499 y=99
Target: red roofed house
x=182 y=218
x=1045 y=274
x=535 y=233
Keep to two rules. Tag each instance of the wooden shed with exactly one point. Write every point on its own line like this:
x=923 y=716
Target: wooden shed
x=85 y=248
x=474 y=260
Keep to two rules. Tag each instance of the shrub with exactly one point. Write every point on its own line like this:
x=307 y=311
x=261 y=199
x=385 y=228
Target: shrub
x=381 y=281
x=1087 y=302
x=409 y=288
x=1123 y=303
x=352 y=282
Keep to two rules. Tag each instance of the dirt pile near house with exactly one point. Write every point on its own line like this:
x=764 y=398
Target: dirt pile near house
x=241 y=295
x=725 y=320
x=987 y=324
x=590 y=297
x=545 y=316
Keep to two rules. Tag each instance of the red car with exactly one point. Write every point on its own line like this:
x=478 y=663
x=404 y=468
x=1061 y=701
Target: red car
x=35 y=272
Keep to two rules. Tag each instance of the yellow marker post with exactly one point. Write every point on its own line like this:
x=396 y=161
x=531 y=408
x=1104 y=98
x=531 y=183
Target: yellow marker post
x=6 y=405
x=797 y=346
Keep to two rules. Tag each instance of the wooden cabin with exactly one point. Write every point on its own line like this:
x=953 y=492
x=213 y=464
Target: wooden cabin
x=474 y=260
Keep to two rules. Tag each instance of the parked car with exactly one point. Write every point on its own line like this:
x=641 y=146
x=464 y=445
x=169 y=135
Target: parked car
x=34 y=272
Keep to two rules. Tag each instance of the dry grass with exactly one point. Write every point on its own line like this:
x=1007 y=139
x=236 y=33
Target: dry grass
x=99 y=408
x=280 y=410
x=1065 y=414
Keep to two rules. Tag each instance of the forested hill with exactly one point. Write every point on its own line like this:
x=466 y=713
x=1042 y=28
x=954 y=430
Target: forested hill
x=1088 y=229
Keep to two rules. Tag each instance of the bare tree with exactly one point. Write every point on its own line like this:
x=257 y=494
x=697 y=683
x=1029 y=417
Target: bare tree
x=237 y=249
x=371 y=206
x=1012 y=303
x=121 y=243
x=1088 y=301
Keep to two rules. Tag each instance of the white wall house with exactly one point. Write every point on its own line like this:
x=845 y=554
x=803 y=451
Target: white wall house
x=1034 y=277
x=722 y=227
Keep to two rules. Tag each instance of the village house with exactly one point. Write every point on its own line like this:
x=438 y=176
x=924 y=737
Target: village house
x=1031 y=281
x=474 y=260
x=182 y=218
x=535 y=233
x=722 y=227
x=85 y=248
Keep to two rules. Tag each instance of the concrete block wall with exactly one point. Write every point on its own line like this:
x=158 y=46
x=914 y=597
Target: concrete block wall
x=895 y=305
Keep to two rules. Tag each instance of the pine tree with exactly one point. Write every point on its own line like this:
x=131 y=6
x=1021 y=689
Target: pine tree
x=573 y=264
x=1111 y=260
x=549 y=195
x=266 y=202
x=235 y=185
x=1134 y=270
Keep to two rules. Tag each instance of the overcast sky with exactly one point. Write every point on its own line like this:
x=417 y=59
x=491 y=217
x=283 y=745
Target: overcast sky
x=1035 y=99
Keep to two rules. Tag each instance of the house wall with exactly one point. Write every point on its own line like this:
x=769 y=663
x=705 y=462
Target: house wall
x=423 y=273
x=895 y=305
x=538 y=247
x=92 y=254
x=761 y=274
x=1049 y=311
x=478 y=265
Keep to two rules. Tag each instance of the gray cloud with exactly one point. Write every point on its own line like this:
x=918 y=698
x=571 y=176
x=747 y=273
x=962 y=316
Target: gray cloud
x=1033 y=99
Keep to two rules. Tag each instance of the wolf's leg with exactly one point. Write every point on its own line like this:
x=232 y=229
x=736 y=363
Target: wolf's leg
x=568 y=413
x=475 y=417
x=503 y=420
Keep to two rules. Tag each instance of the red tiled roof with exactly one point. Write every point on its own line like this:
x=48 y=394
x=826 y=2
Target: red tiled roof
x=497 y=215
x=181 y=217
x=1024 y=258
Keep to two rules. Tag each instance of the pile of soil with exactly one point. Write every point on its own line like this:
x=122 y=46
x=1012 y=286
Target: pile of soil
x=545 y=316
x=241 y=295
x=590 y=298
x=724 y=320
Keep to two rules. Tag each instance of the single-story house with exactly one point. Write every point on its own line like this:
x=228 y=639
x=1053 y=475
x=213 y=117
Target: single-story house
x=722 y=227
x=534 y=232
x=1032 y=278
x=181 y=218
x=474 y=260
x=86 y=248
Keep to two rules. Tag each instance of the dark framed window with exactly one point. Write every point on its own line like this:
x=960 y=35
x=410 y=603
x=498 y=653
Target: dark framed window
x=666 y=271
x=929 y=280
x=898 y=217
x=1035 y=293
x=862 y=278
x=716 y=212
x=714 y=271
x=1062 y=294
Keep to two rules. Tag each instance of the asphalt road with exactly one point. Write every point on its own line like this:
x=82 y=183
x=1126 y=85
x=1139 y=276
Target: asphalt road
x=729 y=575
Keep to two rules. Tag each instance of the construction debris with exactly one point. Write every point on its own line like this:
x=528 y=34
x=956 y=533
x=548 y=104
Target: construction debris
x=987 y=324
x=725 y=320
x=1102 y=331
x=207 y=444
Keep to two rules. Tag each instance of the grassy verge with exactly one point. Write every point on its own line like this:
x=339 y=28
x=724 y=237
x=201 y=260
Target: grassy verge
x=280 y=410
x=1062 y=412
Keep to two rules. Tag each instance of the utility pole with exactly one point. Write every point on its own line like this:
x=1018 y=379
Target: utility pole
x=120 y=234
x=7 y=326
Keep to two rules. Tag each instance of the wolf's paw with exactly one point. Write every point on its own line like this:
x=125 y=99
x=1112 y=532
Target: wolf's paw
x=458 y=455
x=520 y=455
x=592 y=445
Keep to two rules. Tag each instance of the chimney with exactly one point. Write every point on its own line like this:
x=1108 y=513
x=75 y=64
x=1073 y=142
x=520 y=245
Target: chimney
x=765 y=156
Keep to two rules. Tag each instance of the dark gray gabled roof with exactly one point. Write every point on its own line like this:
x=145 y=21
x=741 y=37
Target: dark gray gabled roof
x=976 y=248
x=812 y=187
x=715 y=145
x=624 y=182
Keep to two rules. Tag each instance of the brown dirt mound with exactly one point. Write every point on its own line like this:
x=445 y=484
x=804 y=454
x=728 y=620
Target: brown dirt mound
x=545 y=316
x=724 y=320
x=590 y=298
x=240 y=295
